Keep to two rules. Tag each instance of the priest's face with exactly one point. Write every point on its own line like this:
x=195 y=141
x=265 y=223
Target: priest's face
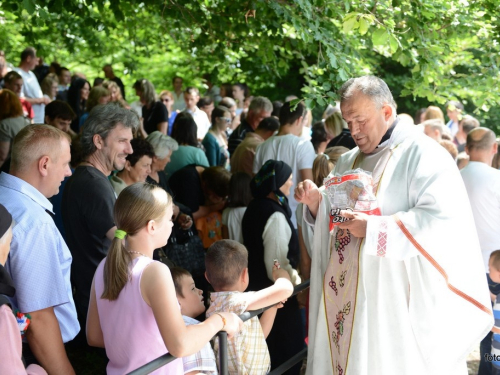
x=367 y=122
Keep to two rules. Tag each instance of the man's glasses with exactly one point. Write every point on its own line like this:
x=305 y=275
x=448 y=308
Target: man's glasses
x=226 y=119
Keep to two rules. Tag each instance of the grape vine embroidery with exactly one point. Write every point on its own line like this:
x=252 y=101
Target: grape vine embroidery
x=342 y=239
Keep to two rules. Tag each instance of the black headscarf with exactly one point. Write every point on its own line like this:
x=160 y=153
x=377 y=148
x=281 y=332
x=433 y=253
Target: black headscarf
x=6 y=284
x=270 y=178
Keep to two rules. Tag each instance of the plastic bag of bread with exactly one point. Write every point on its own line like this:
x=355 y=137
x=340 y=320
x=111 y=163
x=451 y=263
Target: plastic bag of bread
x=351 y=191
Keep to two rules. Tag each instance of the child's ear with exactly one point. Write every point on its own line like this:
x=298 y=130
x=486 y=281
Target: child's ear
x=244 y=274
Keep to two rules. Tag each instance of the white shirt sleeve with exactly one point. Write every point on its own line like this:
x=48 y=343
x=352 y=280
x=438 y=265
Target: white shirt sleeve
x=276 y=236
x=305 y=155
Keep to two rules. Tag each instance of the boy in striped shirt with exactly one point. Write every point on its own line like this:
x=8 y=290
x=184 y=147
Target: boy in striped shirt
x=494 y=357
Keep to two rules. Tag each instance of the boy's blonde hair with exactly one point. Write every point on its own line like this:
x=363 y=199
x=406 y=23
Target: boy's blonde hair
x=495 y=259
x=225 y=261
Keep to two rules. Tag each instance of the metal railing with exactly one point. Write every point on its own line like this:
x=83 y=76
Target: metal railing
x=165 y=359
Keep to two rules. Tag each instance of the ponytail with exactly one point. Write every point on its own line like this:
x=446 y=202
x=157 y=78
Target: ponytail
x=322 y=166
x=136 y=205
x=115 y=270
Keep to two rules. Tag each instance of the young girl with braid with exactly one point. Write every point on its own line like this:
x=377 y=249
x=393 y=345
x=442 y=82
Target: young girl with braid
x=133 y=312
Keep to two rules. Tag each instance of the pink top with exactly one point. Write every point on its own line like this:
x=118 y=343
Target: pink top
x=131 y=335
x=11 y=347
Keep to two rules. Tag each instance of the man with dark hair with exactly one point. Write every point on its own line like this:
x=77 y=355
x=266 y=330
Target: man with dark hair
x=64 y=76
x=277 y=104
x=191 y=98
x=483 y=188
x=399 y=274
x=14 y=82
x=289 y=147
x=243 y=156
x=178 y=93
x=98 y=81
x=31 y=88
x=206 y=104
x=89 y=198
x=60 y=114
x=110 y=74
x=259 y=109
x=203 y=190
x=465 y=126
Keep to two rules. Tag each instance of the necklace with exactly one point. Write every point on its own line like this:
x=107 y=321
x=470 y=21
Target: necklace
x=136 y=252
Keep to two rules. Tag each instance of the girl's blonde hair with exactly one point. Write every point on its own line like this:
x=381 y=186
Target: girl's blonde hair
x=136 y=205
x=110 y=85
x=324 y=163
x=166 y=92
x=433 y=112
x=334 y=124
x=47 y=83
x=95 y=95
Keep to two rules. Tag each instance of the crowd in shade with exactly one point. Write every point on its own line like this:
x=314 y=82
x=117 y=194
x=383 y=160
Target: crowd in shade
x=129 y=229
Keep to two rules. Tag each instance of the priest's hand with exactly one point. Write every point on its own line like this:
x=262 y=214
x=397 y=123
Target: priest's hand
x=308 y=193
x=356 y=224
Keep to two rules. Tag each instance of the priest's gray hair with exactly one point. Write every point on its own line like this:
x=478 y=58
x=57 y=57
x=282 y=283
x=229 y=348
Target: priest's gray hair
x=162 y=144
x=371 y=86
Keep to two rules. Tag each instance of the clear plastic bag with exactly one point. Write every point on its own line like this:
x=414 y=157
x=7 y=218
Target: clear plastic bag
x=351 y=191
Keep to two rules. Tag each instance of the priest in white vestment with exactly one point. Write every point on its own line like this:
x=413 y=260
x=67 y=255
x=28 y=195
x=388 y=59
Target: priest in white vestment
x=418 y=302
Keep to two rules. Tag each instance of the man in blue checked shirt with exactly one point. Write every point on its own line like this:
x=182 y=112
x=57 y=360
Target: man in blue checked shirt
x=40 y=262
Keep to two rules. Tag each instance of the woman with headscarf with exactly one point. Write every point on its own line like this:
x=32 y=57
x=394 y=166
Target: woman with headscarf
x=10 y=344
x=268 y=234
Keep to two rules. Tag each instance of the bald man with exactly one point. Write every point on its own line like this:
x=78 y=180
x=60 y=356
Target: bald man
x=483 y=188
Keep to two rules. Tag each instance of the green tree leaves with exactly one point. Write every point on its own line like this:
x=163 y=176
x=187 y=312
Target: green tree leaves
x=436 y=50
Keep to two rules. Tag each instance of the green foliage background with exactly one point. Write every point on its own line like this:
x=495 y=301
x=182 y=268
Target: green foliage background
x=427 y=51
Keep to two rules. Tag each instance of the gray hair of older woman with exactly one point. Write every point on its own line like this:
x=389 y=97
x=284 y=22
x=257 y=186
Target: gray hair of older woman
x=162 y=144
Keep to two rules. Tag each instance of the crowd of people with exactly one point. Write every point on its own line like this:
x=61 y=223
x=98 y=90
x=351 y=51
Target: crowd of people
x=116 y=214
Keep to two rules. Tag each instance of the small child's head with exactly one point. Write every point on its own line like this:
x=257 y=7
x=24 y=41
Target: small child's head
x=226 y=262
x=240 y=194
x=324 y=163
x=494 y=266
x=190 y=298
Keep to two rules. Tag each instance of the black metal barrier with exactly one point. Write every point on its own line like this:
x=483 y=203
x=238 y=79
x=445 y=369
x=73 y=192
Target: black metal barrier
x=165 y=359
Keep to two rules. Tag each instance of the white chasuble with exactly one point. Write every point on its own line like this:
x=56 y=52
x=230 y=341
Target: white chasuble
x=420 y=301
